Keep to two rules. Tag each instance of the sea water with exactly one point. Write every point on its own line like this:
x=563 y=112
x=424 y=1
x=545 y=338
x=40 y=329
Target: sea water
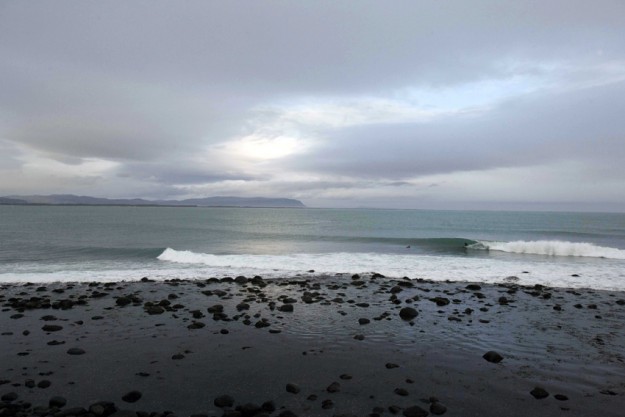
x=76 y=243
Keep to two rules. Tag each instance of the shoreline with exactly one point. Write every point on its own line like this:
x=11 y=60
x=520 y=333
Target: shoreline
x=168 y=341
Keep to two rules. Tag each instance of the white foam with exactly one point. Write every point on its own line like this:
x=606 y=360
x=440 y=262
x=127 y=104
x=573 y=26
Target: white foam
x=607 y=275
x=553 y=248
x=574 y=272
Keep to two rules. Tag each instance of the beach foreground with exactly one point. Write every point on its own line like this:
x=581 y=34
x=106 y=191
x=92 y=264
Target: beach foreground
x=320 y=346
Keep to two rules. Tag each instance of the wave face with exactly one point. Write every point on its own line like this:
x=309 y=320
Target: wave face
x=552 y=248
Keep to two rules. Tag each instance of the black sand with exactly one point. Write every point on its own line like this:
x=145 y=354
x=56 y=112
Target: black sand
x=344 y=349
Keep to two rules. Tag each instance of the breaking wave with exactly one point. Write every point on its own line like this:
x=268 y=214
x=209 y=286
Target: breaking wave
x=552 y=248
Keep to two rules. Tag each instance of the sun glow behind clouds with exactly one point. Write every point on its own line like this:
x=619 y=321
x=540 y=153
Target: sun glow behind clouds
x=264 y=148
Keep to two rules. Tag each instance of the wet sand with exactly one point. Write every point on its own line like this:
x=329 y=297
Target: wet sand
x=310 y=346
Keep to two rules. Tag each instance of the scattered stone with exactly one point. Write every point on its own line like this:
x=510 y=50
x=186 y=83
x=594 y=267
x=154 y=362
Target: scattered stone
x=333 y=387
x=539 y=393
x=362 y=321
x=11 y=396
x=408 y=313
x=359 y=337
x=437 y=408
x=44 y=383
x=391 y=365
x=327 y=404
x=415 y=411
x=292 y=388
x=224 y=401
x=75 y=351
x=492 y=356
x=51 y=328
x=286 y=308
x=57 y=402
x=400 y=391
x=561 y=397
x=132 y=397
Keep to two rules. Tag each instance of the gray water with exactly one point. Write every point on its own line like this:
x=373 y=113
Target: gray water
x=72 y=243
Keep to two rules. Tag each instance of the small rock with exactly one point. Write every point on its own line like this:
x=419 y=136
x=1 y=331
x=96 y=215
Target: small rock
x=492 y=356
x=75 y=351
x=132 y=397
x=362 y=321
x=223 y=401
x=44 y=383
x=292 y=388
x=400 y=391
x=51 y=328
x=561 y=397
x=408 y=313
x=11 y=396
x=333 y=387
x=438 y=409
x=539 y=393
x=57 y=402
x=391 y=365
x=415 y=411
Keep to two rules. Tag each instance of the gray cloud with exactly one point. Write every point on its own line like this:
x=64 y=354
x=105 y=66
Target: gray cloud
x=145 y=97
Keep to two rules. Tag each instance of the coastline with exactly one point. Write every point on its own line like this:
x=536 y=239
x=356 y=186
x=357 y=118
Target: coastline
x=169 y=342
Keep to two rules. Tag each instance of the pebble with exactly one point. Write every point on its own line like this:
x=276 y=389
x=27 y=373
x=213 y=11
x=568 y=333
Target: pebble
x=539 y=393
x=57 y=402
x=223 y=401
x=75 y=351
x=492 y=356
x=438 y=409
x=408 y=313
x=333 y=387
x=415 y=411
x=292 y=388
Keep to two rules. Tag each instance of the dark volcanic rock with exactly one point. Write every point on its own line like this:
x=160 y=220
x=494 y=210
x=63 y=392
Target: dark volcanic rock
x=153 y=310
x=539 y=393
x=75 y=351
x=132 y=397
x=492 y=356
x=51 y=328
x=57 y=402
x=223 y=401
x=438 y=409
x=11 y=396
x=391 y=365
x=44 y=383
x=561 y=397
x=334 y=387
x=292 y=388
x=287 y=308
x=415 y=411
x=400 y=391
x=408 y=313
x=363 y=321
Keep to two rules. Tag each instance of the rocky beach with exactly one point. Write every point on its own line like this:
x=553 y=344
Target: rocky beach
x=310 y=345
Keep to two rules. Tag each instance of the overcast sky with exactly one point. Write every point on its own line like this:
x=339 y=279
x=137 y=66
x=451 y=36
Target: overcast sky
x=400 y=104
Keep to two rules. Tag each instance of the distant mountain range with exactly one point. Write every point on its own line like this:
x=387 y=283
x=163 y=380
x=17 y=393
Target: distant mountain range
x=75 y=200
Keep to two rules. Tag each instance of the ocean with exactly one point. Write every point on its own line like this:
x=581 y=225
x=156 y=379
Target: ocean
x=42 y=244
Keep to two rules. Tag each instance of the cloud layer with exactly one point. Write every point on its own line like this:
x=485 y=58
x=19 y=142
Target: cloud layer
x=454 y=104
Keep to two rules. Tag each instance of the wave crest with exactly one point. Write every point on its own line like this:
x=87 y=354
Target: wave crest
x=552 y=248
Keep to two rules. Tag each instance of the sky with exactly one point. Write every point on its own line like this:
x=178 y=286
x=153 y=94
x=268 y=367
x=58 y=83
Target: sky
x=445 y=104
